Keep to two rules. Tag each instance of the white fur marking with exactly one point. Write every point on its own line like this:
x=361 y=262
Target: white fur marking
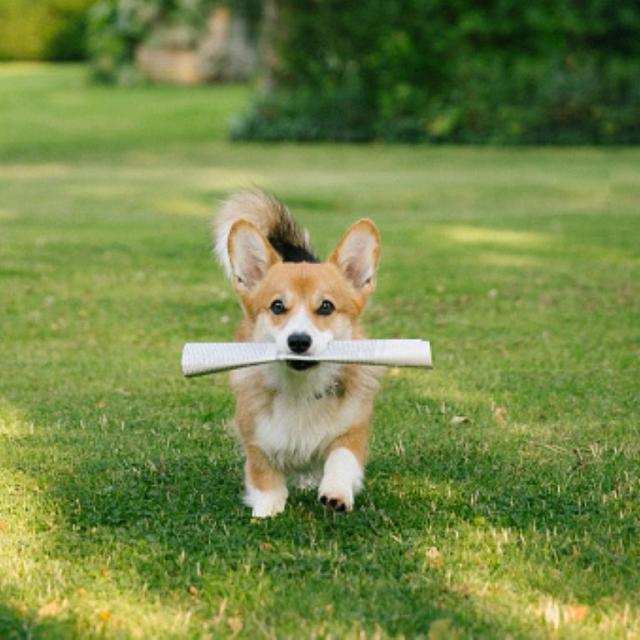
x=265 y=504
x=300 y=427
x=342 y=477
x=301 y=323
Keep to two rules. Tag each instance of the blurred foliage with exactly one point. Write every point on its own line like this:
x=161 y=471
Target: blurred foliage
x=43 y=29
x=544 y=71
x=116 y=27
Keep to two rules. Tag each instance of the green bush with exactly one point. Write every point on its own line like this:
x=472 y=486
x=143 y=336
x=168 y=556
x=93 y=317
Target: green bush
x=43 y=29
x=116 y=27
x=501 y=71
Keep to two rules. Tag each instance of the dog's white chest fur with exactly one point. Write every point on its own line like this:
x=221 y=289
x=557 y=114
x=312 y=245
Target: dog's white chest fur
x=301 y=425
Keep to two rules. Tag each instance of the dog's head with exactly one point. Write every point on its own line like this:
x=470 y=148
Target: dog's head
x=303 y=306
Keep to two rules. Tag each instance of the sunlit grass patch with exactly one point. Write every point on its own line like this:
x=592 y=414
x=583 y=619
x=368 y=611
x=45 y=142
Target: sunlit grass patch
x=501 y=497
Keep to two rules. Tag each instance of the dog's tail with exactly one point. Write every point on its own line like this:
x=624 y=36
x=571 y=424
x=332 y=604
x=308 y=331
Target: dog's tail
x=273 y=220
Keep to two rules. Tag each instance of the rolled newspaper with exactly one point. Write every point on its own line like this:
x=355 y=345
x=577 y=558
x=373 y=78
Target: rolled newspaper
x=201 y=358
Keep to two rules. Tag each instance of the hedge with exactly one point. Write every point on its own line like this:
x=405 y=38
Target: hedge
x=43 y=29
x=497 y=71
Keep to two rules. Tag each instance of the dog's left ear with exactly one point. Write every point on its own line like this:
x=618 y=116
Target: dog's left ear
x=357 y=255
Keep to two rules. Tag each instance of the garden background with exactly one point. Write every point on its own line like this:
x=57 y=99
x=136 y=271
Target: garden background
x=502 y=494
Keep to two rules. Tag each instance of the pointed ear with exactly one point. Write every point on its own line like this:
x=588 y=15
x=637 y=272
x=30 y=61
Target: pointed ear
x=357 y=255
x=250 y=255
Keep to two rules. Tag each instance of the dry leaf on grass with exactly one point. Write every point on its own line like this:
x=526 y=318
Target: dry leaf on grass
x=576 y=613
x=50 y=609
x=459 y=420
x=433 y=555
x=499 y=414
x=104 y=615
x=235 y=624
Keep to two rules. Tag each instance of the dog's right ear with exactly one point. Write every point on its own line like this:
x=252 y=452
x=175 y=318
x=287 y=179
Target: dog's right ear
x=250 y=255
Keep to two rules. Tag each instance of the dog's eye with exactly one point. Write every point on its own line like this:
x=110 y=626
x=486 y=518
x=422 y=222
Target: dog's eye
x=277 y=307
x=326 y=308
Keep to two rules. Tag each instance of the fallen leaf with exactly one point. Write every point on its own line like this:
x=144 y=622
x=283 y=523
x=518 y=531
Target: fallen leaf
x=235 y=624
x=50 y=609
x=576 y=613
x=499 y=414
x=104 y=615
x=266 y=546
x=459 y=420
x=433 y=555
x=193 y=591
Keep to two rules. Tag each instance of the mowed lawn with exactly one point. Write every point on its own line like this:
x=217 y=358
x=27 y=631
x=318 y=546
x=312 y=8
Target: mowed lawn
x=503 y=490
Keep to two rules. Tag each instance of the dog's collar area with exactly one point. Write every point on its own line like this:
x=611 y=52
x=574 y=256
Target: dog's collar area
x=336 y=389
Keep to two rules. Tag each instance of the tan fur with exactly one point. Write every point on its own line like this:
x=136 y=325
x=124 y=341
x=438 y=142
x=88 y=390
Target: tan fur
x=260 y=277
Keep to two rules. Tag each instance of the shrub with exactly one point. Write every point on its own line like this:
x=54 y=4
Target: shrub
x=116 y=27
x=43 y=30
x=544 y=71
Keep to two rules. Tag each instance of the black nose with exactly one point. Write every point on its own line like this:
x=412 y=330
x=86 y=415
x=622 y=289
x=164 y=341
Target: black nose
x=299 y=342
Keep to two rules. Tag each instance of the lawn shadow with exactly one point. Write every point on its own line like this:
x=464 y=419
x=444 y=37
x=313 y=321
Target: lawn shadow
x=18 y=624
x=174 y=520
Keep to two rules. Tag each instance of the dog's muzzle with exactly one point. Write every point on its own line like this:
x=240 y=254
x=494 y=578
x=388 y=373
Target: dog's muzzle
x=301 y=365
x=300 y=343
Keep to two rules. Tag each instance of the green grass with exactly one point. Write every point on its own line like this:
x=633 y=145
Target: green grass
x=120 y=481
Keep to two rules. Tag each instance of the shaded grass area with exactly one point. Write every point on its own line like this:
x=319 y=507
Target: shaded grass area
x=120 y=482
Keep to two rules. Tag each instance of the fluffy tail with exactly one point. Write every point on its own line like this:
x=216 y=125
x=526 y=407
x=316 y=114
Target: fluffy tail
x=273 y=220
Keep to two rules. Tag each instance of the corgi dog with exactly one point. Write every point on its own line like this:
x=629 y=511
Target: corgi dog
x=298 y=420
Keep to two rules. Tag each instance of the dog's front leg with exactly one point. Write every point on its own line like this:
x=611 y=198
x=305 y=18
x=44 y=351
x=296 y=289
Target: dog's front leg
x=266 y=486
x=344 y=469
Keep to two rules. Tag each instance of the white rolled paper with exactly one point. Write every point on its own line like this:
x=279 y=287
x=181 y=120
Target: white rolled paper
x=200 y=358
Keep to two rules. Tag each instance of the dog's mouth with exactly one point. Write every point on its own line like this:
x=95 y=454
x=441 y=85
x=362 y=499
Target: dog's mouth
x=301 y=365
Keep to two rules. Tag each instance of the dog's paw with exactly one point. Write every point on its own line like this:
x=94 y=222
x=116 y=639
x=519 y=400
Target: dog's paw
x=266 y=504
x=336 y=503
x=335 y=495
x=341 y=480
